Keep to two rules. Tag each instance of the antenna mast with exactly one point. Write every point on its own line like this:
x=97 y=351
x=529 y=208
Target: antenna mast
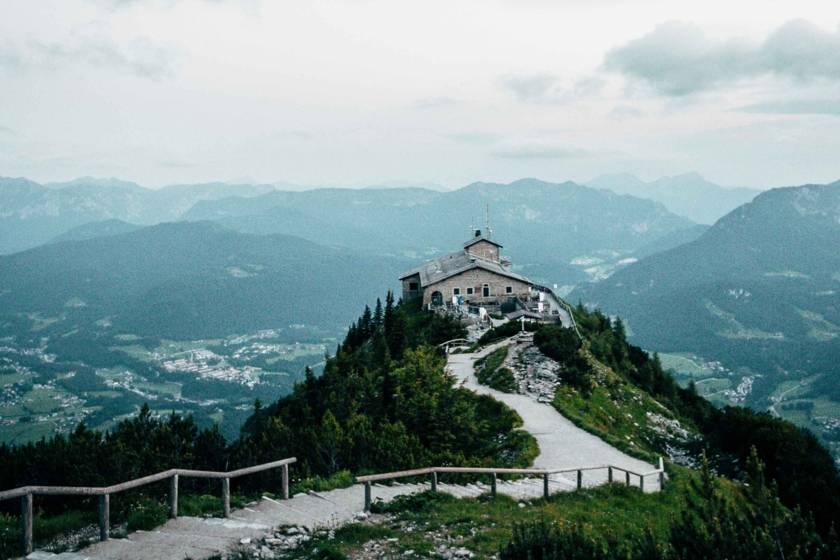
x=487 y=221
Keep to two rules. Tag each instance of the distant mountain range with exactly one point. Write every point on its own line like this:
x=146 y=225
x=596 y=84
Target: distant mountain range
x=32 y=214
x=688 y=195
x=191 y=280
x=555 y=232
x=759 y=289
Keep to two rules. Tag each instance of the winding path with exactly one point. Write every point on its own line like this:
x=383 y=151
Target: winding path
x=562 y=444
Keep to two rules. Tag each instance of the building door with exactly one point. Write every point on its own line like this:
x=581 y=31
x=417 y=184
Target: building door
x=485 y=290
x=437 y=298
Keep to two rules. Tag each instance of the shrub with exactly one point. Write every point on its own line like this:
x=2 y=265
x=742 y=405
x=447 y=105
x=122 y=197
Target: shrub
x=489 y=372
x=415 y=503
x=146 y=514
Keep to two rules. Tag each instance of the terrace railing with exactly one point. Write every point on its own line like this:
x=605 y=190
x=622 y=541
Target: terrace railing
x=545 y=474
x=27 y=493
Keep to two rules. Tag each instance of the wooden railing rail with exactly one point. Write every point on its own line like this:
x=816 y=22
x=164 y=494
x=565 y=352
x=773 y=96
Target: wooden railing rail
x=494 y=472
x=26 y=493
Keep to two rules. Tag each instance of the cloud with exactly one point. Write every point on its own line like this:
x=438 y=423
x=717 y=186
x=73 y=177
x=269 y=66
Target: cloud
x=538 y=149
x=548 y=88
x=6 y=131
x=473 y=138
x=678 y=58
x=138 y=57
x=625 y=112
x=796 y=107
x=435 y=103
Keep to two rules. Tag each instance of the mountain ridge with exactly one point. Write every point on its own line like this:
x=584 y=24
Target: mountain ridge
x=686 y=194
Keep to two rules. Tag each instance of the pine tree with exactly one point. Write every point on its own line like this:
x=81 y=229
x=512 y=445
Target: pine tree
x=365 y=325
x=377 y=315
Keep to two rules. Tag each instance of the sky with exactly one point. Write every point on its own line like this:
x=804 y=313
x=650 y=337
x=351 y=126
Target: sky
x=444 y=93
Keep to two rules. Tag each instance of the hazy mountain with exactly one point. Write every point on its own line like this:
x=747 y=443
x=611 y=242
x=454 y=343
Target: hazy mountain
x=192 y=280
x=92 y=230
x=545 y=226
x=688 y=195
x=671 y=240
x=760 y=288
x=32 y=214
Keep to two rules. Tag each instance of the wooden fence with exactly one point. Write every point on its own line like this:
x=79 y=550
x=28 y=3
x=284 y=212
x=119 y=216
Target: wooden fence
x=433 y=472
x=26 y=493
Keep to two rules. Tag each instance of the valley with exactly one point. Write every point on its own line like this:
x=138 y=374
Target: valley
x=215 y=380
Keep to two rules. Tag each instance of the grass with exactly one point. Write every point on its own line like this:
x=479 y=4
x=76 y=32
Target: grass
x=422 y=522
x=614 y=410
x=12 y=378
x=489 y=371
x=137 y=512
x=341 y=479
x=44 y=529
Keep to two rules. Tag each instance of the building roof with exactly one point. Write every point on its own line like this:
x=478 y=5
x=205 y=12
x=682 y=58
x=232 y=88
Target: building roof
x=447 y=266
x=478 y=238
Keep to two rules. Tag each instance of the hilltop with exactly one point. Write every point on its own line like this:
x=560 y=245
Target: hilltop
x=385 y=402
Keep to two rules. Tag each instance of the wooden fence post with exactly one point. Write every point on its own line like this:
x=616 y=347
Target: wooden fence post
x=627 y=477
x=609 y=475
x=226 y=496
x=661 y=474
x=26 y=520
x=104 y=517
x=641 y=483
x=434 y=481
x=285 y=482
x=493 y=485
x=545 y=486
x=173 y=496
x=579 y=480
x=367 y=496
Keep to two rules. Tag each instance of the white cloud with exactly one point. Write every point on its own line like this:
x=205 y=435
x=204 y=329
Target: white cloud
x=795 y=107
x=678 y=58
x=138 y=56
x=548 y=89
x=539 y=149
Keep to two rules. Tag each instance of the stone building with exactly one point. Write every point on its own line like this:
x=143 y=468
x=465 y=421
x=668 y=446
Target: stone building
x=475 y=275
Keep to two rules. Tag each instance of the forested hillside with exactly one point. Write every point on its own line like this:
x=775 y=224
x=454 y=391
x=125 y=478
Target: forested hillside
x=759 y=292
x=191 y=280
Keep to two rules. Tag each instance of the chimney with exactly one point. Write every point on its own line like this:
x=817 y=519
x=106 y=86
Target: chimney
x=478 y=233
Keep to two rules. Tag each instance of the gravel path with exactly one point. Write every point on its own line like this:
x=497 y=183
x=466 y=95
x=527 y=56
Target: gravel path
x=562 y=444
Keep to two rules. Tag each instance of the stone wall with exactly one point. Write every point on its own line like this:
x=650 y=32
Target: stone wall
x=475 y=279
x=484 y=250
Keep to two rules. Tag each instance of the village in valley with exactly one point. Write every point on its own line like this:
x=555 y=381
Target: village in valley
x=42 y=393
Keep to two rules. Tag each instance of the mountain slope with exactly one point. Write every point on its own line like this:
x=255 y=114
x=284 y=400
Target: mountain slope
x=545 y=226
x=191 y=280
x=688 y=195
x=92 y=230
x=32 y=214
x=760 y=289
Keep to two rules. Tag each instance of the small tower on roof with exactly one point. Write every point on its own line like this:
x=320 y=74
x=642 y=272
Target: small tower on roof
x=482 y=247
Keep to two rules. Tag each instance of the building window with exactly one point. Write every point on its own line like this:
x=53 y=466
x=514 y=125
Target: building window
x=509 y=290
x=413 y=286
x=485 y=290
x=469 y=291
x=456 y=291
